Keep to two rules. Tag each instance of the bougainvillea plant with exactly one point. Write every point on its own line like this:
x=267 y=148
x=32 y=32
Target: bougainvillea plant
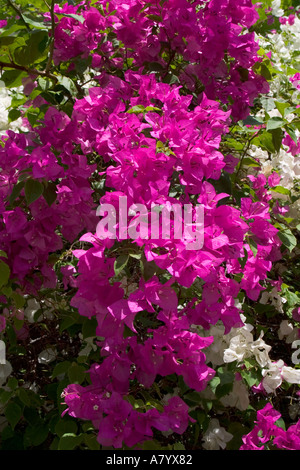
x=140 y=342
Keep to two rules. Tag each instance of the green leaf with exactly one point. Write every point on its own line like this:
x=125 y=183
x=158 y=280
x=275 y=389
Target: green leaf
x=277 y=136
x=214 y=383
x=238 y=430
x=288 y=239
x=33 y=190
x=280 y=423
x=34 y=21
x=267 y=103
x=275 y=123
x=291 y=133
x=266 y=140
x=253 y=246
x=76 y=374
x=265 y=72
x=91 y=442
x=61 y=368
x=89 y=327
x=243 y=260
x=65 y=426
x=249 y=161
x=24 y=396
x=69 y=441
x=14 y=114
x=68 y=84
x=252 y=121
x=12 y=383
x=250 y=377
x=6 y=40
x=13 y=414
x=49 y=193
x=193 y=397
x=13 y=78
x=155 y=18
x=36 y=435
x=120 y=263
x=71 y=15
x=136 y=109
x=135 y=255
x=33 y=49
x=44 y=83
x=16 y=191
x=68 y=321
x=4 y=273
x=18 y=299
x=280 y=190
x=281 y=106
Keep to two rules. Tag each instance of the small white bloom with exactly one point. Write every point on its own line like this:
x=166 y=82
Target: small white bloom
x=90 y=346
x=276 y=10
x=287 y=331
x=32 y=307
x=216 y=437
x=273 y=298
x=260 y=350
x=238 y=397
x=5 y=371
x=291 y=375
x=46 y=356
x=272 y=376
x=2 y=352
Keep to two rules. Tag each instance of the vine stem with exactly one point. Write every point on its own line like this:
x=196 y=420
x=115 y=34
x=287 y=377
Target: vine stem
x=247 y=146
x=18 y=11
x=42 y=73
x=51 y=49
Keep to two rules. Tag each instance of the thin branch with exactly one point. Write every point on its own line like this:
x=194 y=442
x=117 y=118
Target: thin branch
x=18 y=11
x=51 y=49
x=245 y=150
x=12 y=65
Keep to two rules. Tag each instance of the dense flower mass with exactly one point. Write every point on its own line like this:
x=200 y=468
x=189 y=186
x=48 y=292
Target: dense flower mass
x=162 y=105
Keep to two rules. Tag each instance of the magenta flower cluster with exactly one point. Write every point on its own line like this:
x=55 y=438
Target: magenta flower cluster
x=216 y=51
x=268 y=433
x=147 y=134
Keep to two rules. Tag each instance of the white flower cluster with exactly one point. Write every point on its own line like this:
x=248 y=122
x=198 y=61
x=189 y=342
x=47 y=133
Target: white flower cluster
x=292 y=34
x=5 y=102
x=284 y=47
x=273 y=298
x=276 y=372
x=242 y=345
x=276 y=8
x=239 y=345
x=287 y=165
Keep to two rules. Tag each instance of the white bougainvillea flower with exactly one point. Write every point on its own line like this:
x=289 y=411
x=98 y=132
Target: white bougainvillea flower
x=46 y=356
x=272 y=376
x=216 y=437
x=260 y=351
x=287 y=331
x=32 y=307
x=243 y=346
x=291 y=375
x=276 y=8
x=238 y=397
